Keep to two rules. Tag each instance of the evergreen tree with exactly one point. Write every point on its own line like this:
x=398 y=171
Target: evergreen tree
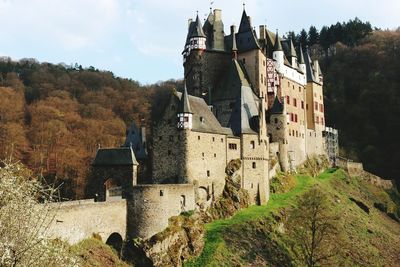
x=313 y=36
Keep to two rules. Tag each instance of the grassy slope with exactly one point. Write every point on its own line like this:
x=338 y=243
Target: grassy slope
x=252 y=237
x=94 y=252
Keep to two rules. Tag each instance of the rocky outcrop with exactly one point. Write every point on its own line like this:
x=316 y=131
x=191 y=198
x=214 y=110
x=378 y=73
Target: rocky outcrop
x=233 y=198
x=182 y=240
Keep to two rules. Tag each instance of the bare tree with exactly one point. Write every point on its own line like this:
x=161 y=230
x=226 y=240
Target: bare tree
x=25 y=215
x=314 y=230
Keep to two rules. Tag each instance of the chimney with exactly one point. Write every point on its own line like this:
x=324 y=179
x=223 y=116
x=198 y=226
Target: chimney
x=189 y=21
x=217 y=14
x=249 y=18
x=234 y=47
x=143 y=135
x=262 y=32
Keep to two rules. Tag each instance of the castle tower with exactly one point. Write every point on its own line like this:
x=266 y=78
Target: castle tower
x=193 y=60
x=278 y=54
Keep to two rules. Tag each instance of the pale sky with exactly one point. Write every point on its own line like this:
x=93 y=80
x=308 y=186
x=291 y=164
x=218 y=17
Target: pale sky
x=143 y=39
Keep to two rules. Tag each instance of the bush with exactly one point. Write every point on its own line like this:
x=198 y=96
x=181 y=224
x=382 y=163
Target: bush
x=24 y=221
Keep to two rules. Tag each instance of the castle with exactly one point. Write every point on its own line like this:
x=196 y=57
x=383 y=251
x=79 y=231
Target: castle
x=248 y=97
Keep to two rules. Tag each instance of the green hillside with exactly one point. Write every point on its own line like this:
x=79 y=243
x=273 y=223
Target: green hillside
x=256 y=236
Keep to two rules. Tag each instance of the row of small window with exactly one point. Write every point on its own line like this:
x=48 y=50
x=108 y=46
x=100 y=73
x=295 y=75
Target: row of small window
x=233 y=146
x=295 y=134
x=319 y=120
x=203 y=154
x=170 y=138
x=320 y=97
x=294 y=102
x=213 y=139
x=288 y=84
x=316 y=105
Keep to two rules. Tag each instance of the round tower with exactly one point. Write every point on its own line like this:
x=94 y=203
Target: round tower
x=278 y=54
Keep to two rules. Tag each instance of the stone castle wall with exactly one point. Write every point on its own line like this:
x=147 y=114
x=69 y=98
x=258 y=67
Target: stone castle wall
x=78 y=220
x=168 y=157
x=204 y=69
x=152 y=206
x=255 y=156
x=207 y=161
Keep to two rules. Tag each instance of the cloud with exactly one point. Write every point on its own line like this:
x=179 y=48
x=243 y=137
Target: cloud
x=70 y=24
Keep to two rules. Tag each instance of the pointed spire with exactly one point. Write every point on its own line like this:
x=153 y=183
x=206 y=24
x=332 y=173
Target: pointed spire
x=292 y=51
x=278 y=45
x=245 y=23
x=184 y=104
x=198 y=29
x=301 y=58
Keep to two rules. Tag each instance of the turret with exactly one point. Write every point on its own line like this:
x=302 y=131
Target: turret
x=278 y=54
x=185 y=114
x=197 y=38
x=302 y=64
x=292 y=54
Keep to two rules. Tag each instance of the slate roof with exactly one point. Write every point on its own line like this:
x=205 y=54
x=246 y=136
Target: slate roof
x=301 y=57
x=277 y=107
x=310 y=69
x=203 y=118
x=184 y=104
x=231 y=85
x=246 y=38
x=114 y=157
x=244 y=117
x=277 y=43
x=197 y=30
x=135 y=139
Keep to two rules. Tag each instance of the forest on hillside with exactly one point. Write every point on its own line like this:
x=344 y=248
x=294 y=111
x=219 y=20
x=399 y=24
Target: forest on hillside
x=54 y=117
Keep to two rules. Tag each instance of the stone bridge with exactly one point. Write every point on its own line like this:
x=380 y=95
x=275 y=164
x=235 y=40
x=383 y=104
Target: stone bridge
x=78 y=220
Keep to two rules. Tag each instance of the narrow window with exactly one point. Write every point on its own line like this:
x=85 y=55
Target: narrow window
x=202 y=154
x=302 y=104
x=252 y=145
x=276 y=120
x=222 y=140
x=287 y=99
x=198 y=137
x=213 y=139
x=215 y=155
x=208 y=173
x=161 y=193
x=254 y=165
x=295 y=102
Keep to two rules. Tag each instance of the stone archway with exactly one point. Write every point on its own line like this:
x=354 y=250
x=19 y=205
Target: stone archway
x=116 y=242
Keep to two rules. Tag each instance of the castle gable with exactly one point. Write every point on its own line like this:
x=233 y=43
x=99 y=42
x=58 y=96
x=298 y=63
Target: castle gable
x=203 y=118
x=244 y=117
